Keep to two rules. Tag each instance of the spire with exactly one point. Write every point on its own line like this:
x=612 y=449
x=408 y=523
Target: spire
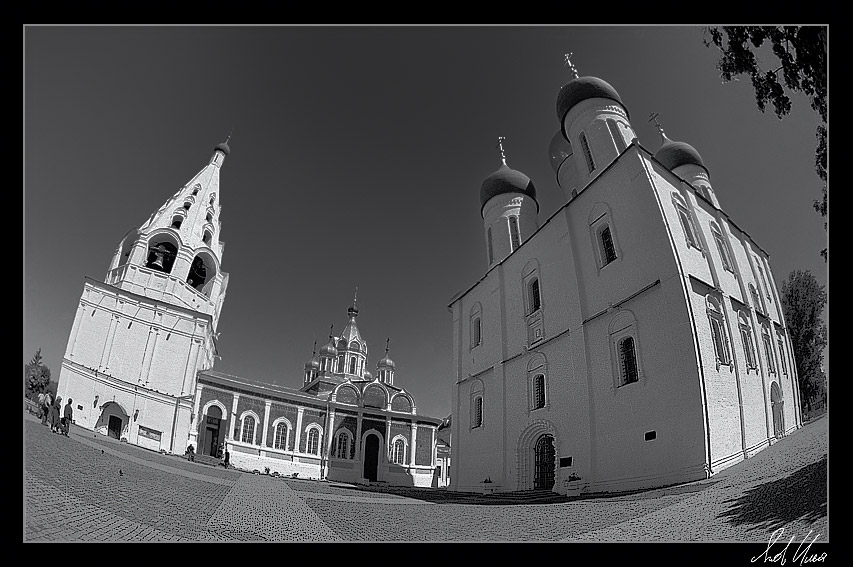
x=501 y=146
x=353 y=311
x=572 y=69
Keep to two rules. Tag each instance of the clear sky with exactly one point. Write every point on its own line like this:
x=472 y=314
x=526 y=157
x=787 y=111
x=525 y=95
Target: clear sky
x=356 y=159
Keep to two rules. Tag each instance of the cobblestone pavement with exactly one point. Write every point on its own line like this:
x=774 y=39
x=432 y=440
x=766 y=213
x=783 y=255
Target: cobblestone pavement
x=92 y=488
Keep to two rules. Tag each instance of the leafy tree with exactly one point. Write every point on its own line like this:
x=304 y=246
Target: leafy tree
x=801 y=52
x=803 y=301
x=37 y=375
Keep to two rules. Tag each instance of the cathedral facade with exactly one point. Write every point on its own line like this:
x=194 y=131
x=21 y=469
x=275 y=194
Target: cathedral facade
x=633 y=339
x=139 y=367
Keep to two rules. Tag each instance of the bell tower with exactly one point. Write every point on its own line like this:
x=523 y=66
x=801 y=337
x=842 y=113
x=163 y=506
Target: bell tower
x=141 y=335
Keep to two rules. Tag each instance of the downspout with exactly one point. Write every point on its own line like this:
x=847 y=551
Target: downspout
x=696 y=348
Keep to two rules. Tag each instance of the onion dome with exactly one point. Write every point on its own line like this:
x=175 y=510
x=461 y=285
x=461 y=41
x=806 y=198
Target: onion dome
x=313 y=364
x=385 y=362
x=506 y=180
x=582 y=88
x=329 y=349
x=368 y=375
x=675 y=154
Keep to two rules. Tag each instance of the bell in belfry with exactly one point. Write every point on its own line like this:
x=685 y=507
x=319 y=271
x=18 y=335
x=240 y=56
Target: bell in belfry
x=159 y=254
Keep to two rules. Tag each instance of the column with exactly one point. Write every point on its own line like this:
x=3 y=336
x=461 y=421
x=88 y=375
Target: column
x=150 y=344
x=192 y=364
x=72 y=341
x=267 y=404
x=299 y=413
x=414 y=444
x=108 y=344
x=233 y=418
x=194 y=424
x=330 y=434
x=432 y=446
x=358 y=438
x=387 y=438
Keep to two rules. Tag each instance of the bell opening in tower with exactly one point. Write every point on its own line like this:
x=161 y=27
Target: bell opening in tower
x=161 y=256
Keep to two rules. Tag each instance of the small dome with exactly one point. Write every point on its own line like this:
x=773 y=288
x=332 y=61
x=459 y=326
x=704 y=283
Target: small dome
x=581 y=89
x=368 y=375
x=506 y=180
x=385 y=363
x=313 y=363
x=674 y=154
x=329 y=349
x=223 y=147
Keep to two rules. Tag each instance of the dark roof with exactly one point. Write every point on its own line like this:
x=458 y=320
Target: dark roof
x=506 y=180
x=674 y=154
x=583 y=88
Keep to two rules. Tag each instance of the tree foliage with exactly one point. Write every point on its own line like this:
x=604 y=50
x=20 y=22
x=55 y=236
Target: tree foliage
x=801 y=53
x=36 y=375
x=803 y=301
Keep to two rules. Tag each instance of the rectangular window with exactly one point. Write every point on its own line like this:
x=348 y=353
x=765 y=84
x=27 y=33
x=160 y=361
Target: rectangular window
x=608 y=250
x=651 y=435
x=476 y=331
x=587 y=154
x=535 y=300
x=746 y=337
x=768 y=349
x=628 y=360
x=719 y=340
x=782 y=356
x=724 y=252
x=149 y=433
x=565 y=462
x=513 y=233
x=688 y=227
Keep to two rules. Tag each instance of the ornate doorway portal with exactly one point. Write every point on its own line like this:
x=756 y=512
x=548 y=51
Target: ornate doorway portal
x=544 y=457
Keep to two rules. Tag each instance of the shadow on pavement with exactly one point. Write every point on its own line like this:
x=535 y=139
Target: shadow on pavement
x=774 y=504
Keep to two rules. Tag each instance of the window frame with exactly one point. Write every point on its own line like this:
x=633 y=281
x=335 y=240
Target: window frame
x=514 y=233
x=768 y=349
x=722 y=248
x=309 y=430
x=685 y=219
x=475 y=324
x=477 y=409
x=781 y=342
x=248 y=415
x=624 y=377
x=716 y=319
x=402 y=442
x=587 y=152
x=276 y=437
x=748 y=344
x=622 y=326
x=345 y=435
x=490 y=246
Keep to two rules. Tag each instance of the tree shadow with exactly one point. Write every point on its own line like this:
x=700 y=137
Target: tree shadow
x=772 y=505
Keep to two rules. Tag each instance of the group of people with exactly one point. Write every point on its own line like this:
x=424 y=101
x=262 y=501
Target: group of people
x=50 y=413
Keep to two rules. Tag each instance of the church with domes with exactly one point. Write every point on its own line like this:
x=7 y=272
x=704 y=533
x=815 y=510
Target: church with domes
x=139 y=367
x=633 y=339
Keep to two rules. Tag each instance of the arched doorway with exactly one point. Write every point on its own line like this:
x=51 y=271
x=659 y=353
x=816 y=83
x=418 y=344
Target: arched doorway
x=544 y=457
x=777 y=405
x=371 y=457
x=208 y=442
x=113 y=420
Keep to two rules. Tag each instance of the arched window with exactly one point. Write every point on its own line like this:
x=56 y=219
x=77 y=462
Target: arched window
x=587 y=154
x=209 y=217
x=534 y=301
x=196 y=188
x=617 y=136
x=746 y=339
x=686 y=222
x=763 y=278
x=476 y=325
x=207 y=237
x=161 y=256
x=352 y=365
x=187 y=205
x=177 y=220
x=248 y=430
x=718 y=334
x=489 y=245
x=756 y=302
x=627 y=361
x=342 y=446
x=399 y=452
x=722 y=248
x=539 y=391
x=212 y=198
x=768 y=349
x=477 y=404
x=280 y=437
x=608 y=250
x=341 y=363
x=312 y=446
x=514 y=235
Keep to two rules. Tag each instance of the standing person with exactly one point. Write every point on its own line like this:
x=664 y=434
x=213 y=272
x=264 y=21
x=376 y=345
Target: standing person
x=66 y=417
x=54 y=414
x=227 y=456
x=48 y=402
x=42 y=413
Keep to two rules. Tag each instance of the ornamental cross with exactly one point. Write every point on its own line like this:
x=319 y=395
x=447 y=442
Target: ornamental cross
x=653 y=117
x=501 y=146
x=332 y=326
x=572 y=68
x=314 y=348
x=355 y=296
x=387 y=342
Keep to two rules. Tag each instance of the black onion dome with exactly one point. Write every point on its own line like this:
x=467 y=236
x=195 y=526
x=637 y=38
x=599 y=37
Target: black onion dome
x=223 y=147
x=674 y=154
x=329 y=349
x=581 y=89
x=385 y=363
x=313 y=363
x=506 y=180
x=368 y=375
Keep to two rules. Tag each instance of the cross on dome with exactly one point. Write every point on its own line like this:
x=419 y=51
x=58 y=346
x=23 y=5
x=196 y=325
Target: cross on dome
x=572 y=69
